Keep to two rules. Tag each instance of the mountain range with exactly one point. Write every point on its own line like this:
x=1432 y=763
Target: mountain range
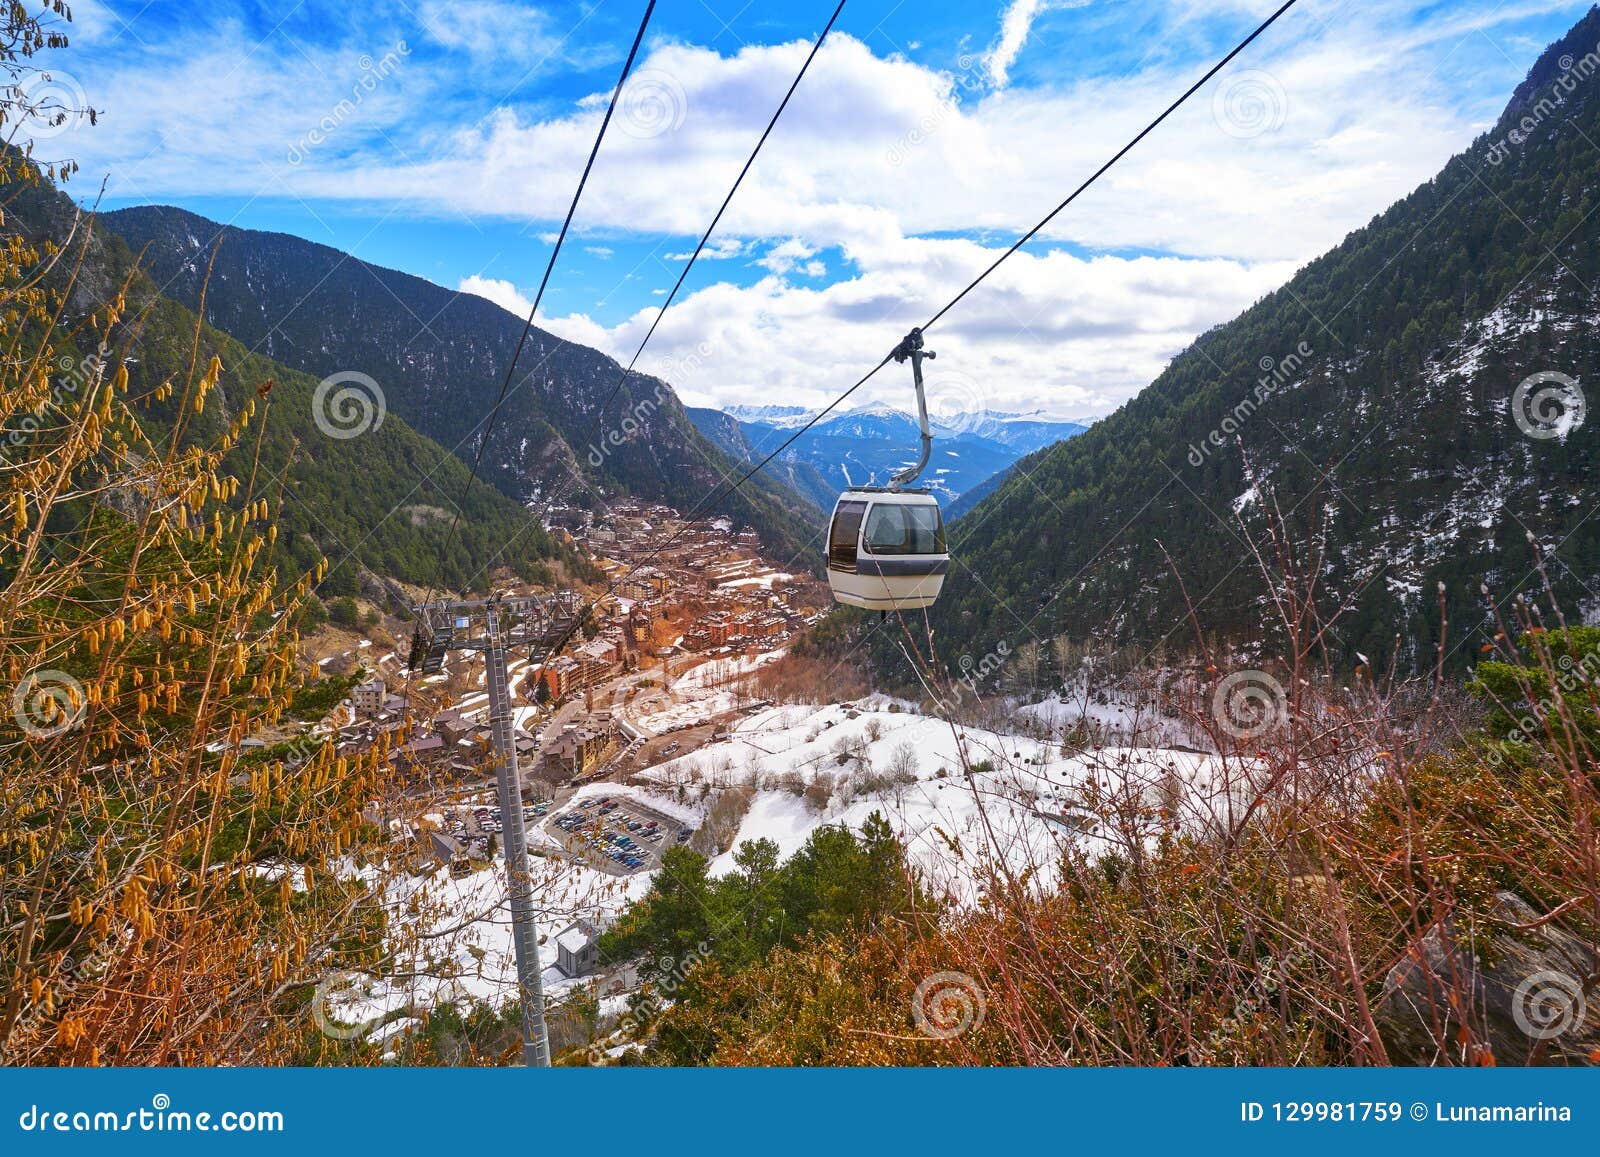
x=1411 y=405
x=439 y=358
x=868 y=444
x=372 y=498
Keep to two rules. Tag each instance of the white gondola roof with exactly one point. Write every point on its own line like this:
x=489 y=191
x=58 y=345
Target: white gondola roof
x=891 y=497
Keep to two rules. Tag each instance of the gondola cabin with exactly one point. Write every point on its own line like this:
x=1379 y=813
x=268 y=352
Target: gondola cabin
x=886 y=549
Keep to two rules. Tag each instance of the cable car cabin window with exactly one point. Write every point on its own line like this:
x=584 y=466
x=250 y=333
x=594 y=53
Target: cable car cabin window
x=842 y=538
x=905 y=530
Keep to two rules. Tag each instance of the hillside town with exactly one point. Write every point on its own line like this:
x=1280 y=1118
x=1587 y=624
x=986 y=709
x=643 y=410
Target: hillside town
x=683 y=609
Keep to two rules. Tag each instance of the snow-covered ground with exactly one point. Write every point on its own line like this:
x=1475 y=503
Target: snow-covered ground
x=701 y=693
x=719 y=672
x=1019 y=805
x=764 y=580
x=1115 y=715
x=697 y=710
x=962 y=799
x=452 y=935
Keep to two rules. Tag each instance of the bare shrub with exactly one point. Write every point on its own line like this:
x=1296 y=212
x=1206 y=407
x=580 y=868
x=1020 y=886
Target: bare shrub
x=726 y=811
x=811 y=680
x=1344 y=877
x=819 y=793
x=902 y=767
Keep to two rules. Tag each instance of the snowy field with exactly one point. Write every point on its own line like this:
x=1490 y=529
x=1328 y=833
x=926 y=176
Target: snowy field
x=701 y=693
x=451 y=936
x=837 y=764
x=1111 y=714
x=965 y=801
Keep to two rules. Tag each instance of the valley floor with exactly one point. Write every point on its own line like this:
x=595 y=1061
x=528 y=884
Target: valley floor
x=963 y=800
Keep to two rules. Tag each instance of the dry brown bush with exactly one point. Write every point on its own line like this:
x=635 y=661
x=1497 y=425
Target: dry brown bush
x=810 y=680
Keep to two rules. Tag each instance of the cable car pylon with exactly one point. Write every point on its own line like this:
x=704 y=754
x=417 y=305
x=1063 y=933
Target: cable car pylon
x=492 y=626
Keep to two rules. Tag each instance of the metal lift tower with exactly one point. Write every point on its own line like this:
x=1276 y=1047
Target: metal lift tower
x=491 y=626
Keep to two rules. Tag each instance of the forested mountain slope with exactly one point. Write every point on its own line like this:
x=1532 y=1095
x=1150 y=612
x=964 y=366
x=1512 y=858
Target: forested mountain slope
x=729 y=435
x=360 y=489
x=1374 y=401
x=440 y=358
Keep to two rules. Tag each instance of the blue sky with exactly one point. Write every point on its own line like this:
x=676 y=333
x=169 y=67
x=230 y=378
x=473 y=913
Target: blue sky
x=444 y=139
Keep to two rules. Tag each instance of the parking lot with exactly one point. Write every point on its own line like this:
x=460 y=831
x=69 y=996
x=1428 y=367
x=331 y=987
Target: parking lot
x=616 y=834
x=474 y=825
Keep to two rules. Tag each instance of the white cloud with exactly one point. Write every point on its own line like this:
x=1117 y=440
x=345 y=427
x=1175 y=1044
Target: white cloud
x=786 y=255
x=717 y=249
x=488 y=28
x=523 y=36
x=502 y=293
x=603 y=252
x=1015 y=24
x=1074 y=336
x=881 y=159
x=871 y=145
x=918 y=156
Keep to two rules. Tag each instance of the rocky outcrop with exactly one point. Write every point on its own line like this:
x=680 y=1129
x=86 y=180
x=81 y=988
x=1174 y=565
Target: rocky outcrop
x=1507 y=988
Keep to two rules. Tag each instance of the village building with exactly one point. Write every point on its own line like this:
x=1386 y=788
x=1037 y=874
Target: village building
x=578 y=750
x=578 y=948
x=372 y=698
